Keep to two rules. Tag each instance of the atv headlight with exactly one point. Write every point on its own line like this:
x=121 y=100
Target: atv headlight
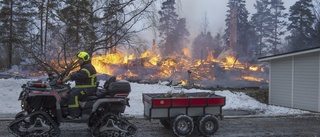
x=24 y=104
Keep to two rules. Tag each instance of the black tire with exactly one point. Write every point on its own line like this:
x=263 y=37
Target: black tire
x=208 y=125
x=21 y=114
x=55 y=131
x=95 y=127
x=166 y=123
x=132 y=130
x=182 y=125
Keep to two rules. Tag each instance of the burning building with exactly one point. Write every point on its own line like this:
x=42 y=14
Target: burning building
x=224 y=71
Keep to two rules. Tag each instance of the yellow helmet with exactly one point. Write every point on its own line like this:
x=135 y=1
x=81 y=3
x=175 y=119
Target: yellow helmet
x=84 y=56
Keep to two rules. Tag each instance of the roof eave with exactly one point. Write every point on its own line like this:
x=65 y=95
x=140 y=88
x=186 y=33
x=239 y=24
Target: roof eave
x=287 y=55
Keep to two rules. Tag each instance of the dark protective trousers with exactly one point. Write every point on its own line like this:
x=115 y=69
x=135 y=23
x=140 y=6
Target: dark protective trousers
x=75 y=95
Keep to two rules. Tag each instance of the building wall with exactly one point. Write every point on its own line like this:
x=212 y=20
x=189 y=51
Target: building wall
x=294 y=82
x=306 y=82
x=281 y=80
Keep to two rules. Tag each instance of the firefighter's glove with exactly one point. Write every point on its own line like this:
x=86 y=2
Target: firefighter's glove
x=59 y=81
x=66 y=79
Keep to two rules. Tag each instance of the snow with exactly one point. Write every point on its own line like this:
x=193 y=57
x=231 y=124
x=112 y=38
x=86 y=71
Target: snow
x=10 y=90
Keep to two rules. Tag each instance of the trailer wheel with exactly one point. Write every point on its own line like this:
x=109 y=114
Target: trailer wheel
x=208 y=125
x=182 y=125
x=166 y=123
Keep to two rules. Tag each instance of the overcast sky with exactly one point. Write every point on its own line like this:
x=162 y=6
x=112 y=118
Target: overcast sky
x=194 y=11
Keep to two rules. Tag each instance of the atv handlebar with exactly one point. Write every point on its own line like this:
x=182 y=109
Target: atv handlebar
x=56 y=80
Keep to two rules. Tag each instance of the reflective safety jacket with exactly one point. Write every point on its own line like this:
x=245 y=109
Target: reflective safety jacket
x=86 y=77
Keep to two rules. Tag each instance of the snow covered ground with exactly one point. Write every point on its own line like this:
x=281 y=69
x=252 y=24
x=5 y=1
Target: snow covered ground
x=10 y=89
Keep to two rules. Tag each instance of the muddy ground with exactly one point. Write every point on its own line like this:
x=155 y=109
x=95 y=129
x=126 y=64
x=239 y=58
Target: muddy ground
x=289 y=126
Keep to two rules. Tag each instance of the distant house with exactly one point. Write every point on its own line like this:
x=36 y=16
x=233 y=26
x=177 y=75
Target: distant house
x=294 y=79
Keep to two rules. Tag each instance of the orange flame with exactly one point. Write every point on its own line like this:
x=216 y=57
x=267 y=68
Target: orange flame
x=154 y=66
x=253 y=68
x=250 y=78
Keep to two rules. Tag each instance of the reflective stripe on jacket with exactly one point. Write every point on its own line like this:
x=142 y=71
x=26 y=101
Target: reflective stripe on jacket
x=86 y=77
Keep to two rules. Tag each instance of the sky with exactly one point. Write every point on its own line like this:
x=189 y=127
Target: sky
x=11 y=88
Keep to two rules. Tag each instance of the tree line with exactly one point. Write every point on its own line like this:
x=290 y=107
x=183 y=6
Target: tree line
x=269 y=30
x=49 y=33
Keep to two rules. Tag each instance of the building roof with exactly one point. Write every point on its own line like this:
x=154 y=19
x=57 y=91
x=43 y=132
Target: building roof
x=289 y=54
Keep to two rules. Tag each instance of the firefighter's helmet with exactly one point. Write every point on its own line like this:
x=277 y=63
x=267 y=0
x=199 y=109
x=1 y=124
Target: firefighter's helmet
x=84 y=56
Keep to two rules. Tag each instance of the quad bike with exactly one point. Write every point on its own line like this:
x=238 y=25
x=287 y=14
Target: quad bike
x=45 y=106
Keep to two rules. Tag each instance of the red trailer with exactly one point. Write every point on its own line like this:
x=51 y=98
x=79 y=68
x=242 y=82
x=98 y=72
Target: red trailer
x=184 y=113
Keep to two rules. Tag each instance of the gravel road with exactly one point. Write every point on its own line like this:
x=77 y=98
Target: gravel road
x=289 y=126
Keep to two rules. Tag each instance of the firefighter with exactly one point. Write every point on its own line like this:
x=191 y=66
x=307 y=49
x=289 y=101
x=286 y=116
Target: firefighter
x=85 y=84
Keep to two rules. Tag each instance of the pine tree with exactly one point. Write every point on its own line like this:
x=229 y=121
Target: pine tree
x=277 y=23
x=180 y=34
x=218 y=44
x=269 y=22
x=172 y=30
x=205 y=44
x=113 y=18
x=43 y=18
x=80 y=32
x=242 y=26
x=301 y=21
x=23 y=28
x=58 y=29
x=6 y=30
x=168 y=21
x=259 y=24
x=202 y=45
x=317 y=25
x=15 y=26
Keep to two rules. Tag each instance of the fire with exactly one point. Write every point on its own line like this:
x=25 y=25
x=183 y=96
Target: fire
x=130 y=74
x=250 y=78
x=129 y=57
x=210 y=57
x=231 y=62
x=103 y=63
x=186 y=52
x=253 y=68
x=150 y=65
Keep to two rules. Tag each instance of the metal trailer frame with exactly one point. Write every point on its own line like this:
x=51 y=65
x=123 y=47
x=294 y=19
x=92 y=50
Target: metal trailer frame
x=198 y=109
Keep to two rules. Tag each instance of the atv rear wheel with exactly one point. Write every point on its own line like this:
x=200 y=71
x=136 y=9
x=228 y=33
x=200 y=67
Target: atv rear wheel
x=113 y=125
